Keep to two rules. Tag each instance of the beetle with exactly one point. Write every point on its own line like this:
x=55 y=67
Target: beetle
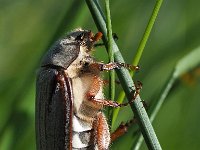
x=69 y=96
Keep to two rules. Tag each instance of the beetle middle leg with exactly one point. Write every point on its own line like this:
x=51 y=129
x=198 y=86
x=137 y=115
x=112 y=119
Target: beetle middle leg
x=94 y=90
x=105 y=82
x=104 y=102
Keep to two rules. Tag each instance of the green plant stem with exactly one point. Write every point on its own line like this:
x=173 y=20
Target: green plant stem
x=147 y=32
x=139 y=53
x=156 y=107
x=110 y=52
x=126 y=82
x=190 y=61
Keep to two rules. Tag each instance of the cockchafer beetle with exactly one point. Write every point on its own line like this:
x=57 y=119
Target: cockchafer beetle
x=69 y=96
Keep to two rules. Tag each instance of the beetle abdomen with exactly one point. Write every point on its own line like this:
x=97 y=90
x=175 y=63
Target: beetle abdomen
x=82 y=134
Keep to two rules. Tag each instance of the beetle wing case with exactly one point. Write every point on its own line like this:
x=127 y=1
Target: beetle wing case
x=54 y=96
x=53 y=110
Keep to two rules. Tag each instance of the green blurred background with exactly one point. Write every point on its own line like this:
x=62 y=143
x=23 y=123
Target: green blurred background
x=29 y=27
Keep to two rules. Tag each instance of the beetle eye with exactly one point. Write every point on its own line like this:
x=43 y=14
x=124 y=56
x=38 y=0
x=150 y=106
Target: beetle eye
x=80 y=37
x=86 y=64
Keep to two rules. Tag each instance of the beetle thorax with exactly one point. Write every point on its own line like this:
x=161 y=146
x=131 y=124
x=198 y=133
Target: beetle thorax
x=83 y=78
x=87 y=85
x=74 y=70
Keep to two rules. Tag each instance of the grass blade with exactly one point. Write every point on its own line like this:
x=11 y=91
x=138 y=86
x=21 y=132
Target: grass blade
x=110 y=53
x=127 y=83
x=139 y=52
x=184 y=65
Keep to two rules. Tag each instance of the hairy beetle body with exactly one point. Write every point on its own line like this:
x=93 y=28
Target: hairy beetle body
x=86 y=81
x=68 y=114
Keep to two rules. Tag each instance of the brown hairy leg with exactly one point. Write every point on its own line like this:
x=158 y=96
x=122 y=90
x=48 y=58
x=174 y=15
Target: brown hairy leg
x=122 y=129
x=97 y=81
x=96 y=85
x=101 y=132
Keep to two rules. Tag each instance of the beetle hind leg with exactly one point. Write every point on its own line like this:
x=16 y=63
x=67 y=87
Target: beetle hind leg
x=101 y=132
x=122 y=129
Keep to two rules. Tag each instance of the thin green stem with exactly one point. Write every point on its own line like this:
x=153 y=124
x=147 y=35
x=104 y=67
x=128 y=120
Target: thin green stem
x=147 y=32
x=188 y=62
x=126 y=82
x=139 y=52
x=110 y=52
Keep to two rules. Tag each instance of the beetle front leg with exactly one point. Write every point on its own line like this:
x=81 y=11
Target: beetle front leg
x=115 y=37
x=112 y=65
x=117 y=65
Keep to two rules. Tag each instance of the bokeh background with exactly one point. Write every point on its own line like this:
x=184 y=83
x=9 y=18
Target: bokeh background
x=29 y=27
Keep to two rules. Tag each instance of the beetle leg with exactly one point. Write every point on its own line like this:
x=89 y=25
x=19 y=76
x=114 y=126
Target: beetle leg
x=138 y=87
x=122 y=129
x=101 y=132
x=91 y=95
x=115 y=37
x=106 y=102
x=99 y=44
x=105 y=82
x=117 y=65
x=145 y=104
x=94 y=90
x=112 y=65
x=97 y=37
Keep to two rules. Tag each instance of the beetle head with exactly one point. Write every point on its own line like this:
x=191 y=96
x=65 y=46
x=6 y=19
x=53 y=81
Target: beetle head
x=66 y=50
x=85 y=38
